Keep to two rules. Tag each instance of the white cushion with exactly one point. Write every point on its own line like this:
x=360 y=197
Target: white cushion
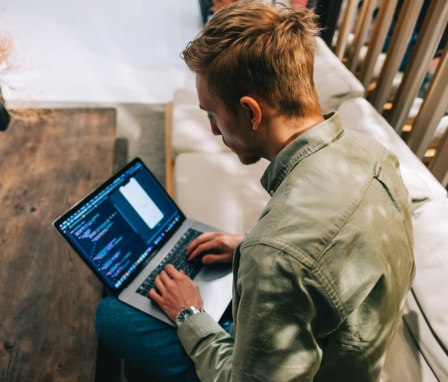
x=190 y=131
x=334 y=82
x=359 y=115
x=186 y=96
x=218 y=190
x=429 y=288
x=404 y=362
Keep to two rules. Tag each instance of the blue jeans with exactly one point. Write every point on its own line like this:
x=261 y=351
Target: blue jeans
x=147 y=343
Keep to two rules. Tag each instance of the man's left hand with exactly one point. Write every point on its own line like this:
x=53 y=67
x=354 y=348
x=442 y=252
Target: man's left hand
x=175 y=291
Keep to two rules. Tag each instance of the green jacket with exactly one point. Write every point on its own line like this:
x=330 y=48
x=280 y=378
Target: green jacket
x=320 y=281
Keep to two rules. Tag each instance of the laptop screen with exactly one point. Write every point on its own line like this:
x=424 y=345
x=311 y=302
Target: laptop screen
x=120 y=226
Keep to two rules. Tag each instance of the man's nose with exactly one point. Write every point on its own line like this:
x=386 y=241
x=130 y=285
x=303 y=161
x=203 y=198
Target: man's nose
x=215 y=129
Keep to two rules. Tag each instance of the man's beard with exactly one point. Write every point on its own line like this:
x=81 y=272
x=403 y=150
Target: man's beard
x=245 y=156
x=248 y=158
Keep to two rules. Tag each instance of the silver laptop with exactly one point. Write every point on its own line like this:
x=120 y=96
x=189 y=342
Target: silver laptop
x=128 y=229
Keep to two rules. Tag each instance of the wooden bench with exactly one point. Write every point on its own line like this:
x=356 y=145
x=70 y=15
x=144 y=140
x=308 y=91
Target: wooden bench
x=48 y=296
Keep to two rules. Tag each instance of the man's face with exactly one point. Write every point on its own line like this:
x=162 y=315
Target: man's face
x=235 y=128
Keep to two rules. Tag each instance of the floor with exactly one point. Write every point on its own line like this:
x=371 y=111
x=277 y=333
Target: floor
x=105 y=51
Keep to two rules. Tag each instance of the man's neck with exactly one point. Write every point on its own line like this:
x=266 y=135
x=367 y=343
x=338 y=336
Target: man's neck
x=283 y=131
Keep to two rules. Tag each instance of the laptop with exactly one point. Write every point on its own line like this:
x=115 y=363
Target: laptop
x=128 y=229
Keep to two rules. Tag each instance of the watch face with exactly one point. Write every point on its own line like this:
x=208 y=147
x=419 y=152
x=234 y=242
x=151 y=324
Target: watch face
x=183 y=315
x=187 y=312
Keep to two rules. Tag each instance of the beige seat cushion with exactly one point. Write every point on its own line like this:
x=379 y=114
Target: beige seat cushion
x=429 y=289
x=404 y=362
x=190 y=126
x=218 y=190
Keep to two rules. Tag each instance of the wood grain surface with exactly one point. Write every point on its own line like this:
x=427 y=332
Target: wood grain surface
x=48 y=296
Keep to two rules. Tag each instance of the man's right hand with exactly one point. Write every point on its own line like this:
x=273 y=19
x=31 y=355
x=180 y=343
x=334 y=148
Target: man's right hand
x=214 y=247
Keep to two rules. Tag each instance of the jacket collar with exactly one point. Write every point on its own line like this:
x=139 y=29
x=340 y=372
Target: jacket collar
x=303 y=146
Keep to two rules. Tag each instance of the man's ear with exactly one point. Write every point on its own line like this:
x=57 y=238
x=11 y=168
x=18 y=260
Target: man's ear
x=253 y=111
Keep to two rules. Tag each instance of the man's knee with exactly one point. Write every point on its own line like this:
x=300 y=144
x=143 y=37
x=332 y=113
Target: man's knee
x=151 y=345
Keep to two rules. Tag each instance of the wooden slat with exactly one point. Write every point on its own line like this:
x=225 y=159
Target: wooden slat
x=376 y=43
x=361 y=32
x=395 y=53
x=48 y=296
x=345 y=28
x=432 y=110
x=439 y=165
x=429 y=37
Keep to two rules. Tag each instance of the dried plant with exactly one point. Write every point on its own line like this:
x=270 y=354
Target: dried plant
x=5 y=53
x=5 y=49
x=6 y=66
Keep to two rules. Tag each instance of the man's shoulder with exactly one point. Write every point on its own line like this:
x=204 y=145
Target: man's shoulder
x=321 y=193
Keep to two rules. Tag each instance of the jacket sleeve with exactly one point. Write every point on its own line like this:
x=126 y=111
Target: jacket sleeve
x=276 y=306
x=209 y=346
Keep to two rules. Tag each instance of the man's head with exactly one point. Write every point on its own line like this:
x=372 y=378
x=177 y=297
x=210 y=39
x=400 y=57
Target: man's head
x=249 y=48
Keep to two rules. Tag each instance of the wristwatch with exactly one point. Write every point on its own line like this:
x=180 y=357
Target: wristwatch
x=185 y=313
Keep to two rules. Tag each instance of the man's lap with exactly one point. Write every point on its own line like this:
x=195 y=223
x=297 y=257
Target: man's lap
x=151 y=345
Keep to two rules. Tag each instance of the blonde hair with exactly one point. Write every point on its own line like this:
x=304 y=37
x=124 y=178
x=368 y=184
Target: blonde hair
x=249 y=48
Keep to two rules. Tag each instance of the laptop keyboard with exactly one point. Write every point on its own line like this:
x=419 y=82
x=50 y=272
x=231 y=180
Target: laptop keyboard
x=176 y=257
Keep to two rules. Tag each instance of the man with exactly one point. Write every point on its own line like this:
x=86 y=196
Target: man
x=320 y=281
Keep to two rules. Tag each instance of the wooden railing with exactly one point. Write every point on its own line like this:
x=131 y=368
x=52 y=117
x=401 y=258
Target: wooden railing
x=363 y=54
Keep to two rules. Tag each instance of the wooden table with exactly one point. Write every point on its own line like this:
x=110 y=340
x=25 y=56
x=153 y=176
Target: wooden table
x=48 y=296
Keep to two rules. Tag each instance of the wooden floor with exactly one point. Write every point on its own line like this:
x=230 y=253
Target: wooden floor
x=48 y=296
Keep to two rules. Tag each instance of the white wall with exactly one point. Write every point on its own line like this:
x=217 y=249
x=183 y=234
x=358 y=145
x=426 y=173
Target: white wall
x=98 y=50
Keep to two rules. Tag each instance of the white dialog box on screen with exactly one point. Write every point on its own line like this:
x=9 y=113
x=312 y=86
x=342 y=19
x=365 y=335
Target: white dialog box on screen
x=142 y=203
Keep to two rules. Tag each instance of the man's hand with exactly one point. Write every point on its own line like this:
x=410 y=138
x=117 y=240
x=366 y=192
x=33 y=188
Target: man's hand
x=217 y=247
x=175 y=291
